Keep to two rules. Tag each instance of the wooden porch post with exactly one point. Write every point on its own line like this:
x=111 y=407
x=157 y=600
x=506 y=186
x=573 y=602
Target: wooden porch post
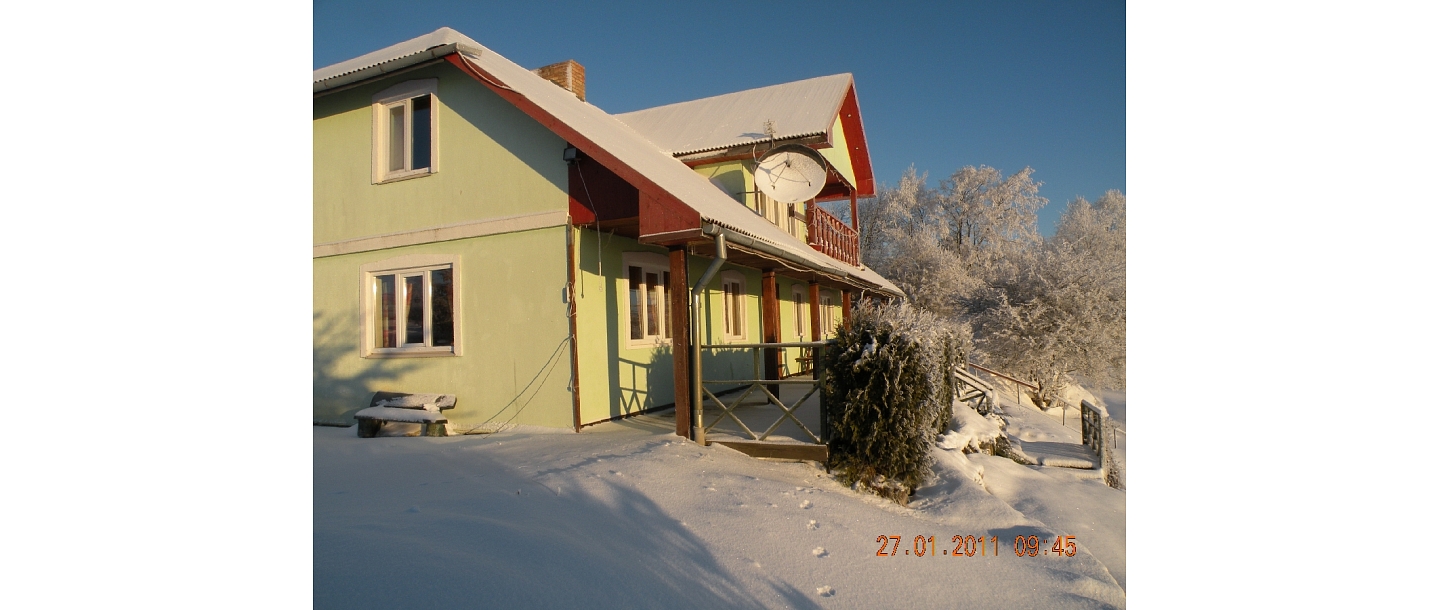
x=679 y=293
x=770 y=325
x=845 y=308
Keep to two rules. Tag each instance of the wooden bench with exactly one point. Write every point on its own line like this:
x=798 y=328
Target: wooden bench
x=424 y=409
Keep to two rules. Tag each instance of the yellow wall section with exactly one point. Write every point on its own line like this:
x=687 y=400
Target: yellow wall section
x=493 y=161
x=516 y=362
x=738 y=180
x=734 y=176
x=839 y=153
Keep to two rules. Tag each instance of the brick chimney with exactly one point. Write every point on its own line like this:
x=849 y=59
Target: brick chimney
x=569 y=74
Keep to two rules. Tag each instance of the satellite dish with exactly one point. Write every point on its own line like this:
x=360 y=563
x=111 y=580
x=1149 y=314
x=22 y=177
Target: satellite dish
x=791 y=173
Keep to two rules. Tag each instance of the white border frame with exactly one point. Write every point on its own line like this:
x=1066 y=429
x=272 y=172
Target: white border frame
x=827 y=314
x=650 y=261
x=379 y=128
x=736 y=277
x=398 y=265
x=799 y=293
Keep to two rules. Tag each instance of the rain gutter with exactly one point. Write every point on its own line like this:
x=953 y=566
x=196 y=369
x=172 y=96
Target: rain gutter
x=750 y=243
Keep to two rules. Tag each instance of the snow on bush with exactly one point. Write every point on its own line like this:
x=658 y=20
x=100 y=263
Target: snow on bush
x=889 y=383
x=972 y=432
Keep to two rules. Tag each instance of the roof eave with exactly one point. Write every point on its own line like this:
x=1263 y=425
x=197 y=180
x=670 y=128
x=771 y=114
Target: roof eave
x=393 y=65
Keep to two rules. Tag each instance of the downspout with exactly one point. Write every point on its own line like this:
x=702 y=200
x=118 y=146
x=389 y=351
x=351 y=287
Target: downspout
x=698 y=422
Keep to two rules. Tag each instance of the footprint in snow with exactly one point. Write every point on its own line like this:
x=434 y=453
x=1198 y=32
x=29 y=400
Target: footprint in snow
x=805 y=504
x=824 y=591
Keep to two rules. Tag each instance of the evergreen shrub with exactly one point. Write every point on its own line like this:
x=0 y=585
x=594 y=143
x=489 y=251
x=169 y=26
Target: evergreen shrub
x=889 y=393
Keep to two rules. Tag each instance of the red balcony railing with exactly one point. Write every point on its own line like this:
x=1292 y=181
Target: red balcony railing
x=833 y=237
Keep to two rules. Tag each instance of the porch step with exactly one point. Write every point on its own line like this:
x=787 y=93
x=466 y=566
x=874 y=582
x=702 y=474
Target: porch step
x=771 y=449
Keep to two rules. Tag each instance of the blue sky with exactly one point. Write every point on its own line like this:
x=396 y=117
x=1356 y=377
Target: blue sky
x=941 y=85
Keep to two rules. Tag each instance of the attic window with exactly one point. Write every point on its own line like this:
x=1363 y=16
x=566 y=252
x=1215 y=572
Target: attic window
x=405 y=131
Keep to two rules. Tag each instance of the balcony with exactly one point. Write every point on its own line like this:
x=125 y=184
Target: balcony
x=829 y=235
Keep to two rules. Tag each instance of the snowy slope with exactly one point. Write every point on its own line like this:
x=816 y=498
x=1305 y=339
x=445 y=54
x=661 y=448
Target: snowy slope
x=626 y=515
x=1073 y=502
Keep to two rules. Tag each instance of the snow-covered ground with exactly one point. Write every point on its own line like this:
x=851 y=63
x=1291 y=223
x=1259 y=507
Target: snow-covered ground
x=1076 y=501
x=627 y=515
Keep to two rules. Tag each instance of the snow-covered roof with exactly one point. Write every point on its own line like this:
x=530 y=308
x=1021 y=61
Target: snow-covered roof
x=394 y=57
x=609 y=133
x=802 y=108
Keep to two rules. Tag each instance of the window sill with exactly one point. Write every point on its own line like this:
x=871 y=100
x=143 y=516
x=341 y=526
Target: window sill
x=412 y=352
x=653 y=344
x=400 y=176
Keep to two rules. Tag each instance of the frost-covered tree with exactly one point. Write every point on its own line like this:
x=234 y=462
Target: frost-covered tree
x=990 y=216
x=910 y=247
x=942 y=246
x=1052 y=311
x=1061 y=315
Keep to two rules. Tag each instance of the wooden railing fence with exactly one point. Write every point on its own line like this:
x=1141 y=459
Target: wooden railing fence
x=829 y=235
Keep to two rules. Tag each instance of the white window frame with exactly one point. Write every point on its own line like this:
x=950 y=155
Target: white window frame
x=827 y=316
x=648 y=262
x=802 y=311
x=737 y=279
x=401 y=267
x=403 y=96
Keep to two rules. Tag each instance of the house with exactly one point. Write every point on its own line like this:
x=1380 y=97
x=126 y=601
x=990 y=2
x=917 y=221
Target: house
x=480 y=230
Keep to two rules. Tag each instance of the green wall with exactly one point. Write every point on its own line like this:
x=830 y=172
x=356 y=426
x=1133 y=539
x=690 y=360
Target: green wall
x=493 y=161
x=515 y=362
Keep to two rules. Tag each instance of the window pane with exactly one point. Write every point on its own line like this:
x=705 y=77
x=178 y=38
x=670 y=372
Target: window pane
x=799 y=316
x=637 y=331
x=725 y=305
x=652 y=295
x=442 y=322
x=737 y=313
x=397 y=137
x=384 y=330
x=420 y=125
x=415 y=309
